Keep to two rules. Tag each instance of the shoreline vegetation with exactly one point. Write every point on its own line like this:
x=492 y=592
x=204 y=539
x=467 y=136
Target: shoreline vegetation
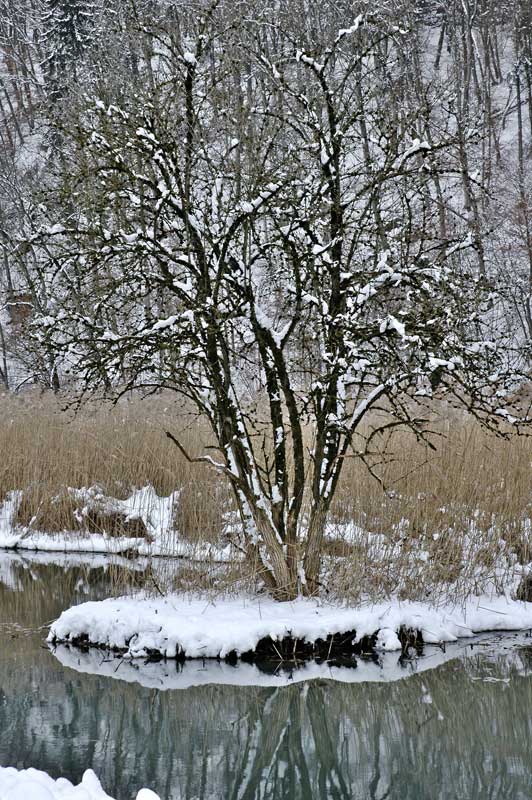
x=314 y=261
x=309 y=287
x=447 y=527
x=438 y=524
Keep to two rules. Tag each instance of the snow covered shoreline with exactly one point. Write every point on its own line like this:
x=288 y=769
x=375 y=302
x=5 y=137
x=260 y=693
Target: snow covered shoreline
x=33 y=784
x=183 y=627
x=143 y=504
x=105 y=545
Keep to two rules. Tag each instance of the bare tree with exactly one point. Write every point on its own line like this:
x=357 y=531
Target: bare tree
x=259 y=231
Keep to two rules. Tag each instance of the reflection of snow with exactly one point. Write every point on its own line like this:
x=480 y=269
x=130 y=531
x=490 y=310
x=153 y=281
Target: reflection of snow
x=170 y=675
x=12 y=562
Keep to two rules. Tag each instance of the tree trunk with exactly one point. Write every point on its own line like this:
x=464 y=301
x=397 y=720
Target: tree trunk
x=273 y=555
x=313 y=551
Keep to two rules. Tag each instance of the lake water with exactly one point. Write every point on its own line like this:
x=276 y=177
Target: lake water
x=460 y=730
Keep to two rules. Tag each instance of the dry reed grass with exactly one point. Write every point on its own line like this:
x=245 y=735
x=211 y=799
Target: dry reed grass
x=456 y=517
x=459 y=516
x=45 y=450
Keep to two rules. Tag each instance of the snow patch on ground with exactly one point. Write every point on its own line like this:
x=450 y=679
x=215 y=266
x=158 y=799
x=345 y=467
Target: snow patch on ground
x=145 y=504
x=32 y=784
x=8 y=510
x=202 y=628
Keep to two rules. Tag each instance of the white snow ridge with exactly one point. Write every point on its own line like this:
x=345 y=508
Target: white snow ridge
x=33 y=784
x=195 y=627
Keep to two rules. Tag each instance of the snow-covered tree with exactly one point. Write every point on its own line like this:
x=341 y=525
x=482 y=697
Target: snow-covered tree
x=260 y=231
x=67 y=34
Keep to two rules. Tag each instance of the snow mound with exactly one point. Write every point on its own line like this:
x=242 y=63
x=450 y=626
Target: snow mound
x=32 y=784
x=193 y=627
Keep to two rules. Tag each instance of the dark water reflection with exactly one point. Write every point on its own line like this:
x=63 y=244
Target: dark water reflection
x=462 y=730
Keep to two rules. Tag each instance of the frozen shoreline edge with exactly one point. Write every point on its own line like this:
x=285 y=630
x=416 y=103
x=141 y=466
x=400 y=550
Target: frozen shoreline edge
x=99 y=545
x=251 y=628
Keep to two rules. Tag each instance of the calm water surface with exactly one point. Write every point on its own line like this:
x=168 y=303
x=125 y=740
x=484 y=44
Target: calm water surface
x=461 y=730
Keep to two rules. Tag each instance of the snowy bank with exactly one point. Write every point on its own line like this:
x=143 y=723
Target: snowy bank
x=32 y=784
x=155 y=513
x=180 y=626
